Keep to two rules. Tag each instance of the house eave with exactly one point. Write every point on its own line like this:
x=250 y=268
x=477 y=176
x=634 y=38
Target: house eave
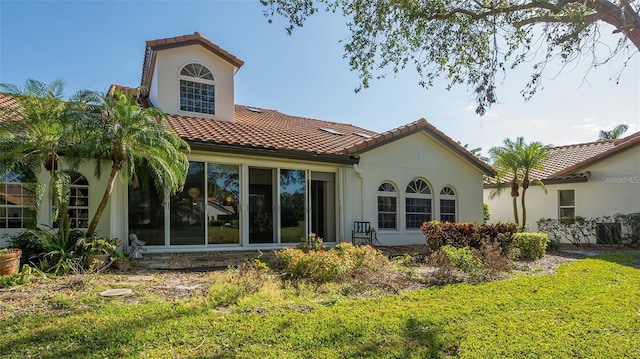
x=274 y=153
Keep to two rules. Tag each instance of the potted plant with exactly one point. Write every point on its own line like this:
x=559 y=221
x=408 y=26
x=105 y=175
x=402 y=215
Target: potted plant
x=99 y=251
x=9 y=260
x=121 y=261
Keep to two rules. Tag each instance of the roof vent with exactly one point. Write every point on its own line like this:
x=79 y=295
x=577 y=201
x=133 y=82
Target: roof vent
x=331 y=131
x=363 y=135
x=253 y=109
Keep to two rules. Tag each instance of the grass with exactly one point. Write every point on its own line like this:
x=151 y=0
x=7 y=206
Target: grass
x=587 y=309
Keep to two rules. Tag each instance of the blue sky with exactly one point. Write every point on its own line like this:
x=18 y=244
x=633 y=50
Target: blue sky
x=93 y=44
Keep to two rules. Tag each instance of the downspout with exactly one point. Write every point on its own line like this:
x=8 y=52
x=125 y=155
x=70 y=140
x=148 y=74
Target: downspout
x=361 y=175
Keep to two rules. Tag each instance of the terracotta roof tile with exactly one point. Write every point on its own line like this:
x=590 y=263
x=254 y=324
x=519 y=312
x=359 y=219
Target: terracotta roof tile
x=564 y=162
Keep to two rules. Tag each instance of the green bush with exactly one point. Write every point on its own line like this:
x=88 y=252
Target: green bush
x=28 y=242
x=327 y=265
x=461 y=258
x=530 y=246
x=225 y=294
x=216 y=223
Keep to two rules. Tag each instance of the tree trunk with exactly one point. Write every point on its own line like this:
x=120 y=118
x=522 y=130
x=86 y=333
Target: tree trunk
x=115 y=168
x=515 y=210
x=524 y=209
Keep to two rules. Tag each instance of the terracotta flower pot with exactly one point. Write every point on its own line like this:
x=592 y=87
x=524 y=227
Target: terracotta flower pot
x=10 y=262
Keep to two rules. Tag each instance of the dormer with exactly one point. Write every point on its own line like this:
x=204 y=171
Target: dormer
x=190 y=76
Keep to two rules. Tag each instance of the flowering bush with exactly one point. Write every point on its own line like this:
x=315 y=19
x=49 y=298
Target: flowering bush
x=313 y=242
x=323 y=266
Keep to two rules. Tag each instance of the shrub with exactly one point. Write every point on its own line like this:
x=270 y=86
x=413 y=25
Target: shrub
x=313 y=242
x=216 y=223
x=472 y=235
x=236 y=283
x=323 y=266
x=461 y=258
x=495 y=259
x=531 y=246
x=28 y=242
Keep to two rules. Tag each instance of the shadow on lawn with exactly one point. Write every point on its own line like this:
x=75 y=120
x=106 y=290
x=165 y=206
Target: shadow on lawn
x=95 y=339
x=620 y=255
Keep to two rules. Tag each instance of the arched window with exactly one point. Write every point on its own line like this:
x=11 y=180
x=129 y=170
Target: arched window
x=197 y=89
x=79 y=201
x=78 y=211
x=447 y=205
x=387 y=206
x=17 y=200
x=418 y=203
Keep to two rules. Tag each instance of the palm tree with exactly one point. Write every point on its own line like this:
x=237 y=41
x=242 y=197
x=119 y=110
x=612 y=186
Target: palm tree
x=37 y=128
x=613 y=134
x=131 y=138
x=531 y=158
x=507 y=163
x=516 y=161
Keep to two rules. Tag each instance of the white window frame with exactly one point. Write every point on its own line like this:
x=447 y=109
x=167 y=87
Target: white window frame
x=388 y=190
x=561 y=206
x=447 y=193
x=6 y=181
x=418 y=188
x=189 y=79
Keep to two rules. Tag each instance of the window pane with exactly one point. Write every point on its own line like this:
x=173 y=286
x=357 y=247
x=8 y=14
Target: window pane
x=387 y=220
x=448 y=210
x=292 y=205
x=188 y=210
x=197 y=97
x=567 y=198
x=418 y=211
x=223 y=188
x=146 y=213
x=567 y=212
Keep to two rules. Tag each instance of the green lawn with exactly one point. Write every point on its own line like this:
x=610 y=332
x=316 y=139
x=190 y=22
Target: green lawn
x=588 y=309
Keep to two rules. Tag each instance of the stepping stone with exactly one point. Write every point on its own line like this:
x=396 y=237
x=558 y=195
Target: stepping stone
x=116 y=292
x=158 y=265
x=144 y=278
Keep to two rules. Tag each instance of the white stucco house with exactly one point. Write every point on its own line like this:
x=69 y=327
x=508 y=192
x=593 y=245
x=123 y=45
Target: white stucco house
x=273 y=177
x=591 y=180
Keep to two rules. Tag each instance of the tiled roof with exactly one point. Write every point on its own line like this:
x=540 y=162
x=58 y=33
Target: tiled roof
x=418 y=126
x=184 y=40
x=259 y=128
x=565 y=162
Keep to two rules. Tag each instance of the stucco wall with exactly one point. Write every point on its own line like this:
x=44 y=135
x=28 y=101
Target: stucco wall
x=399 y=162
x=165 y=88
x=614 y=187
x=111 y=219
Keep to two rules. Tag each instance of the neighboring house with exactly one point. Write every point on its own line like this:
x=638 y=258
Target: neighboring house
x=273 y=177
x=591 y=180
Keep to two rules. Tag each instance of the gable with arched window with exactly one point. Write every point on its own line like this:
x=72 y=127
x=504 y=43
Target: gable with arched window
x=387 y=206
x=417 y=203
x=17 y=200
x=447 y=204
x=197 y=89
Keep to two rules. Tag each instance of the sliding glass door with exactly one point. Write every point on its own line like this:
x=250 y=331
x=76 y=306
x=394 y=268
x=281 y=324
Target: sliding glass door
x=223 y=197
x=293 y=194
x=261 y=205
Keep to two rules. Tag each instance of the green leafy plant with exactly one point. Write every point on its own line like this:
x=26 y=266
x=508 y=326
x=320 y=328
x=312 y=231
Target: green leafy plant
x=99 y=245
x=461 y=258
x=531 y=246
x=313 y=242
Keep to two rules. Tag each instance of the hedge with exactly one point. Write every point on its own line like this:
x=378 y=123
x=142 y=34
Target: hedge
x=467 y=234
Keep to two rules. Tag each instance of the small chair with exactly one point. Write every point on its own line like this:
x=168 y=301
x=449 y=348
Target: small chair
x=362 y=233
